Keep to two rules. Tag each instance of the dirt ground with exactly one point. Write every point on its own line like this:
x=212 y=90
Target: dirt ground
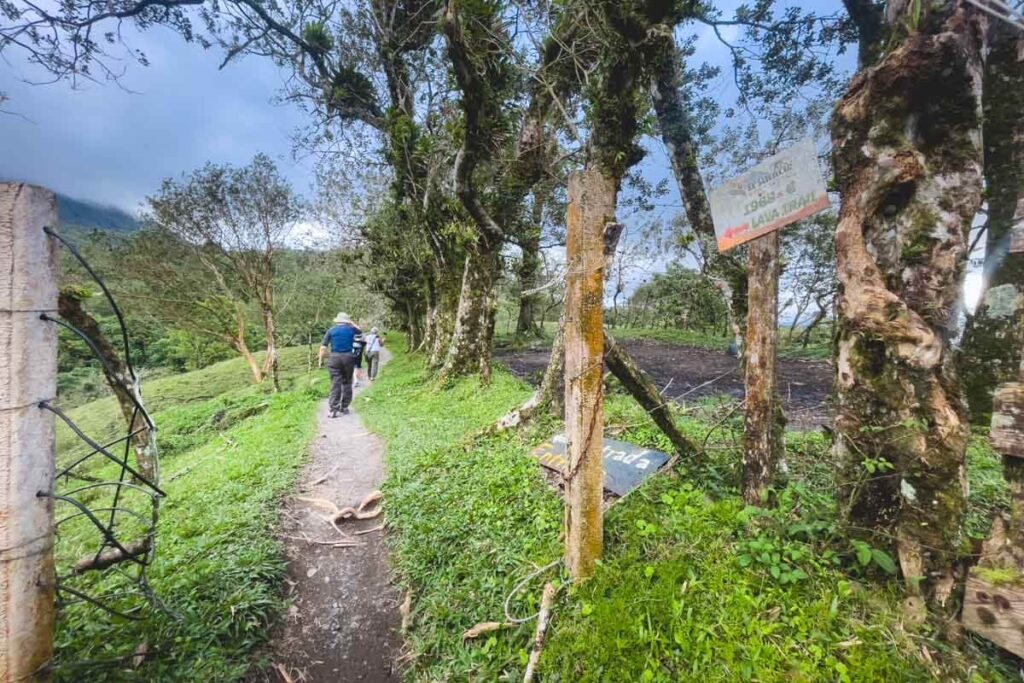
x=344 y=622
x=686 y=373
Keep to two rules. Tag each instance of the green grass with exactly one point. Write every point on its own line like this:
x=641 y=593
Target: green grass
x=230 y=450
x=693 y=586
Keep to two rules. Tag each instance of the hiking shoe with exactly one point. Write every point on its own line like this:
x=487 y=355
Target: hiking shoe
x=344 y=411
x=334 y=413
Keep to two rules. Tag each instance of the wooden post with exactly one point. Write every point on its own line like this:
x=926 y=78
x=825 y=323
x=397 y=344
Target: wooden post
x=28 y=375
x=994 y=596
x=591 y=207
x=760 y=450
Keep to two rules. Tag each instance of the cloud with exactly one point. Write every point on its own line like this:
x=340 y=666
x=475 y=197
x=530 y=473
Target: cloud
x=115 y=144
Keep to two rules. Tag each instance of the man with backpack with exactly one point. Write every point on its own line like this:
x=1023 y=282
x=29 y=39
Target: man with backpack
x=339 y=342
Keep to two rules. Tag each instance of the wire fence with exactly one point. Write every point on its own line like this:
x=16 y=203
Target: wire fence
x=106 y=493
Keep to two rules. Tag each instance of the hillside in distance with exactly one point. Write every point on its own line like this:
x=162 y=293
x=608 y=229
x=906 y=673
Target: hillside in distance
x=86 y=215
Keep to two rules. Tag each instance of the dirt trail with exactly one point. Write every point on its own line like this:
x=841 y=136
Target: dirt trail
x=344 y=623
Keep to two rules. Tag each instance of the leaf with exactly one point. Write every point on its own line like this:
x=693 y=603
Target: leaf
x=884 y=560
x=863 y=555
x=775 y=571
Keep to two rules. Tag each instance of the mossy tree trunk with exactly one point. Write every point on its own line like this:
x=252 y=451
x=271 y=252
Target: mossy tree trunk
x=908 y=158
x=474 y=319
x=991 y=349
x=442 y=311
x=676 y=127
x=528 y=272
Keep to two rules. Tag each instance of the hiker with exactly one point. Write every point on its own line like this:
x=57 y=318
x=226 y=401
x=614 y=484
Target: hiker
x=340 y=341
x=358 y=350
x=373 y=344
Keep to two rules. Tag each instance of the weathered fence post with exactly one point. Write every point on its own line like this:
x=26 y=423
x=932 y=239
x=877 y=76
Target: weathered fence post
x=591 y=207
x=28 y=375
x=994 y=596
x=760 y=447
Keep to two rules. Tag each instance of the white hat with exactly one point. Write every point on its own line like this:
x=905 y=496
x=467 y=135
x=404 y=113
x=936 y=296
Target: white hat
x=373 y=330
x=342 y=318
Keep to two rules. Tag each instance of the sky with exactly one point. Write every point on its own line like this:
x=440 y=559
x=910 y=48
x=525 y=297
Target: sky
x=114 y=144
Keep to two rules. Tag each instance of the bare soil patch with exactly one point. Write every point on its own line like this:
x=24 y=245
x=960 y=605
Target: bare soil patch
x=686 y=373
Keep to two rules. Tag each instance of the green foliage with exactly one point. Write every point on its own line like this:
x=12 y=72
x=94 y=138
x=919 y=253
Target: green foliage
x=218 y=566
x=678 y=298
x=318 y=36
x=694 y=585
x=468 y=521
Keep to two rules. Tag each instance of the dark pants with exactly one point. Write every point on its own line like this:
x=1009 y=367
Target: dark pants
x=340 y=366
x=373 y=363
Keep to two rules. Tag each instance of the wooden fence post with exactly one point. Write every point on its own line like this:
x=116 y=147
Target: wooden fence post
x=28 y=375
x=760 y=447
x=994 y=595
x=591 y=207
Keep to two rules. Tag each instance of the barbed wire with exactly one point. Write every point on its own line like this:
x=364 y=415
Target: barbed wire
x=99 y=519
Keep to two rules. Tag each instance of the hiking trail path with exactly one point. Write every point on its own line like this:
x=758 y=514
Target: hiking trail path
x=344 y=622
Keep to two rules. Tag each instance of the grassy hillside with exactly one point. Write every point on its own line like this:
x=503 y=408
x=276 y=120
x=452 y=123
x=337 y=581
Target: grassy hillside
x=229 y=451
x=694 y=585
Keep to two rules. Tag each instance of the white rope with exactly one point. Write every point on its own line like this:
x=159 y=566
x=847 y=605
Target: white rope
x=508 y=616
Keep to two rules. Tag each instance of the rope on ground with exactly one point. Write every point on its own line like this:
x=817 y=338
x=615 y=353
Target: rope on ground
x=532 y=575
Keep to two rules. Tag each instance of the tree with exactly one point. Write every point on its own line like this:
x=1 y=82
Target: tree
x=234 y=221
x=809 y=273
x=908 y=161
x=994 y=336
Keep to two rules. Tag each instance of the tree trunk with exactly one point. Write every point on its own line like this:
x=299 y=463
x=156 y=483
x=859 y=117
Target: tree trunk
x=762 y=445
x=250 y=359
x=908 y=157
x=994 y=336
x=125 y=386
x=441 y=317
x=271 y=362
x=676 y=129
x=529 y=269
x=464 y=351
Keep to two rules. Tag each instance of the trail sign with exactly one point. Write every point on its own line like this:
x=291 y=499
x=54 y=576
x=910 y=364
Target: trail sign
x=778 y=191
x=626 y=466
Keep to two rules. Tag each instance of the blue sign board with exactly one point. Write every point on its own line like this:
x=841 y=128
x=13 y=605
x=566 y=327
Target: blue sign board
x=626 y=466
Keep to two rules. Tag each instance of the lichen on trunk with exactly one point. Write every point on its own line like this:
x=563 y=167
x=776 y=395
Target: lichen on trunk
x=475 y=316
x=908 y=158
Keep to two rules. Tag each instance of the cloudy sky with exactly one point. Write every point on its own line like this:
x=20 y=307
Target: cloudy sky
x=115 y=144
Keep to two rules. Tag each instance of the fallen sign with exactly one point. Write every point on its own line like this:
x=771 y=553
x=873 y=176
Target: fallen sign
x=626 y=466
x=778 y=191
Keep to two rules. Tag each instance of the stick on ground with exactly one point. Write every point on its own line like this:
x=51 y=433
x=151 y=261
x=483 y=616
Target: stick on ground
x=547 y=598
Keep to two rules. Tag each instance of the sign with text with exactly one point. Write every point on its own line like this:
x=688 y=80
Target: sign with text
x=778 y=191
x=626 y=466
